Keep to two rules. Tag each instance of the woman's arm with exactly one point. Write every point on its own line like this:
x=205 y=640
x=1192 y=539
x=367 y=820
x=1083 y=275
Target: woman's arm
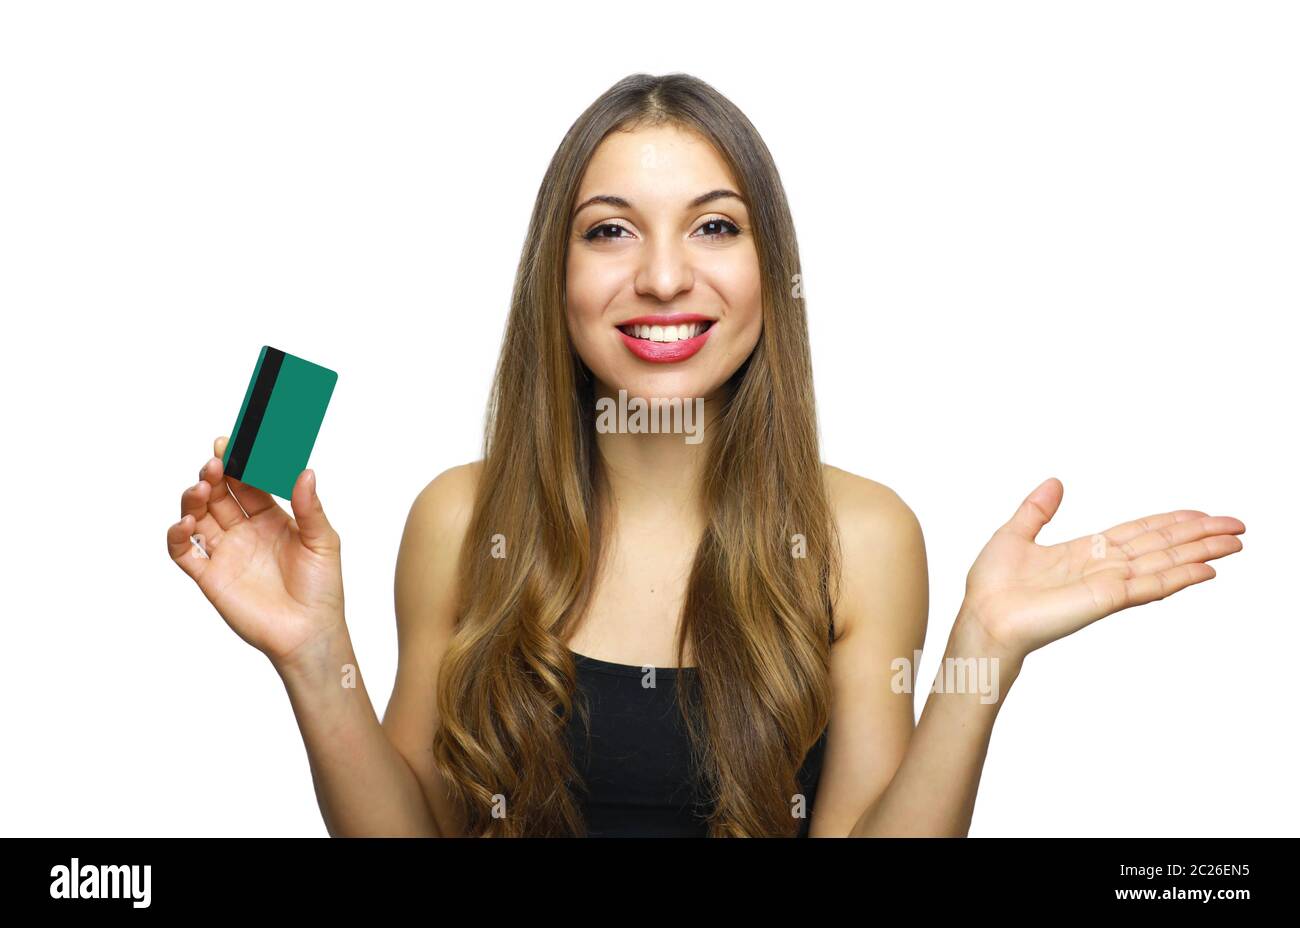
x=933 y=791
x=881 y=616
x=364 y=786
x=376 y=778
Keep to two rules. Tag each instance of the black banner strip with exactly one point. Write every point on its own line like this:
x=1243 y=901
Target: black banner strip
x=257 y=403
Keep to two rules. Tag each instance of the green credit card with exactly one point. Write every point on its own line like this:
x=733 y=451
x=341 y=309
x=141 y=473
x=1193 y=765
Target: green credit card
x=278 y=423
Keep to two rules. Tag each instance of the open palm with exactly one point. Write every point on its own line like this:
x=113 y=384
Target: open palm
x=1027 y=595
x=276 y=580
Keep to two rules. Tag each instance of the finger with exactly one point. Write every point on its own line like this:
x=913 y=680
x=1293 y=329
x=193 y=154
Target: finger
x=251 y=499
x=224 y=507
x=1037 y=510
x=1127 y=531
x=1199 y=551
x=313 y=528
x=194 y=503
x=1179 y=533
x=181 y=549
x=1150 y=587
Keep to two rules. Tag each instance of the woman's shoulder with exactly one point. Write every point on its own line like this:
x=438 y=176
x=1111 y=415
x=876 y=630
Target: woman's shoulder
x=456 y=485
x=883 y=549
x=858 y=501
x=428 y=559
x=442 y=509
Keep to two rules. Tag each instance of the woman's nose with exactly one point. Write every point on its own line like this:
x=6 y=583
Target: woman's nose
x=665 y=270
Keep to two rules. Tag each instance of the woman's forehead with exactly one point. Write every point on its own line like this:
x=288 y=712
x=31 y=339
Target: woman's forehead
x=661 y=165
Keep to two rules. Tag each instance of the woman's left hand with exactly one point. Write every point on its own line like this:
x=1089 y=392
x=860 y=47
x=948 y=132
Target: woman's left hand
x=1024 y=595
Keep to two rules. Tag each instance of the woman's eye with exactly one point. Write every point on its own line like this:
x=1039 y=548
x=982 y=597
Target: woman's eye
x=593 y=233
x=715 y=224
x=713 y=228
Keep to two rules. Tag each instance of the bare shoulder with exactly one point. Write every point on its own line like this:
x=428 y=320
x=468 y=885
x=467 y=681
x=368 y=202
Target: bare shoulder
x=863 y=506
x=881 y=542
x=428 y=560
x=447 y=501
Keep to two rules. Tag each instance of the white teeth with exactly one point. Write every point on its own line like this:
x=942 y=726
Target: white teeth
x=667 y=333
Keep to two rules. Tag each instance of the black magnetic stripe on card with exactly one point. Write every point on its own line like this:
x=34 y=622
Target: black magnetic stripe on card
x=257 y=404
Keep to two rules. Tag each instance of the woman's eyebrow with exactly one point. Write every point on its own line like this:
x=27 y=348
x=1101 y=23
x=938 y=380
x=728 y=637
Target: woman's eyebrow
x=621 y=203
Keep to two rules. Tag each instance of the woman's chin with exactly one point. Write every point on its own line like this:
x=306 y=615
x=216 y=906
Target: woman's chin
x=666 y=384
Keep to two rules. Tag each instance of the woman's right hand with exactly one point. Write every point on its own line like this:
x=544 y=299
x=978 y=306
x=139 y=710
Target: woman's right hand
x=276 y=580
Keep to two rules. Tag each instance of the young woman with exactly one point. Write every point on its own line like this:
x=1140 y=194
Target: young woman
x=605 y=631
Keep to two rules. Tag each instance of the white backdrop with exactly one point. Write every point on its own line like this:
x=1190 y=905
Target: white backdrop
x=1038 y=240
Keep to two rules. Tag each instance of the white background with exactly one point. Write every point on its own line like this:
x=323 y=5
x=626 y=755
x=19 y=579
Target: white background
x=1038 y=240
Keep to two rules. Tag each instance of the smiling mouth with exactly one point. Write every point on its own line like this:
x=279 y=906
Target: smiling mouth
x=666 y=333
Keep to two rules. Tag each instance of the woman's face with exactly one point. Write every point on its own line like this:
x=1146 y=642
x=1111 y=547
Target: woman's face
x=664 y=297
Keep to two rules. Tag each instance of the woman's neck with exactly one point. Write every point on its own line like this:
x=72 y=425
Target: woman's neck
x=655 y=476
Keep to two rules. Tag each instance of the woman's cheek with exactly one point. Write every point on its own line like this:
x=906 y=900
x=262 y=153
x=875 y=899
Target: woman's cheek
x=737 y=278
x=578 y=304
x=744 y=341
x=587 y=330
x=743 y=293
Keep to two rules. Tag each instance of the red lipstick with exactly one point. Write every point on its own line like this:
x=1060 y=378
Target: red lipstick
x=666 y=352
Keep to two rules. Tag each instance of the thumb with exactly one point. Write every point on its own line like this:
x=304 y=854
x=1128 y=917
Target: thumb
x=1037 y=510
x=313 y=528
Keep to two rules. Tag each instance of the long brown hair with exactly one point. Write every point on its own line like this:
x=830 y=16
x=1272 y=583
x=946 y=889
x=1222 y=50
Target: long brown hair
x=761 y=695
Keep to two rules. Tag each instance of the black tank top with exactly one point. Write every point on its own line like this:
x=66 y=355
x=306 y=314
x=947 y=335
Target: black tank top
x=636 y=766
